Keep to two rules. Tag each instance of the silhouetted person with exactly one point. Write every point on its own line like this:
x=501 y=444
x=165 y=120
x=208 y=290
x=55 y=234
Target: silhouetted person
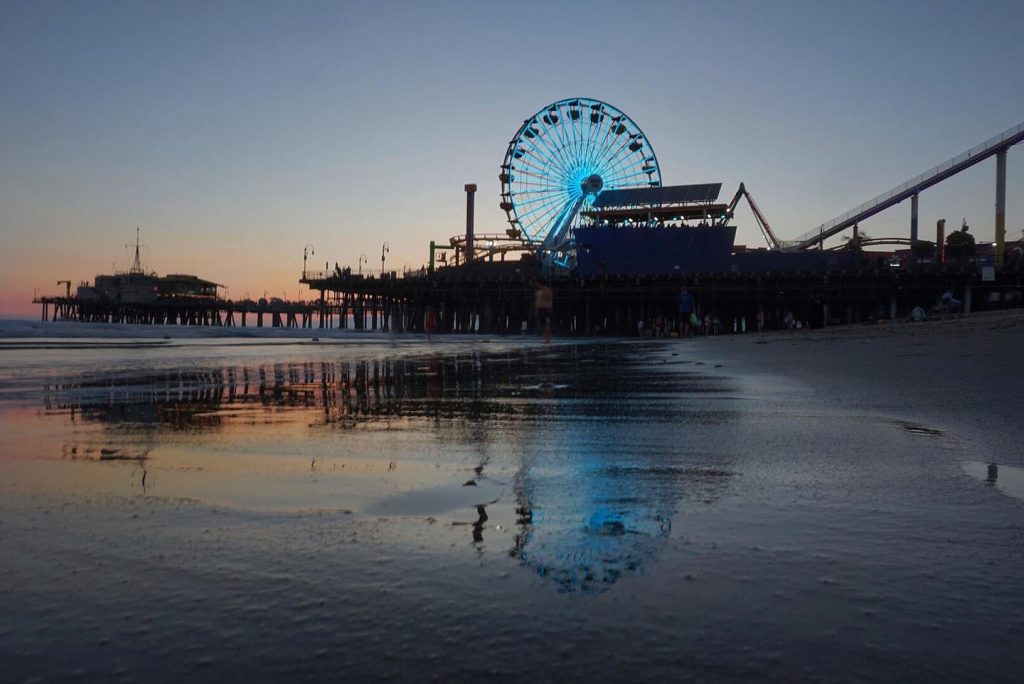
x=430 y=321
x=543 y=302
x=684 y=304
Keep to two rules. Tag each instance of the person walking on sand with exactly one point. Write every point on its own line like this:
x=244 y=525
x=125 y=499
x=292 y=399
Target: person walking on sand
x=543 y=301
x=684 y=303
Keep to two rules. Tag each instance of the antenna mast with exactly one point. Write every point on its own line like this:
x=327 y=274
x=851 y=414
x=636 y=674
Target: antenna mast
x=137 y=263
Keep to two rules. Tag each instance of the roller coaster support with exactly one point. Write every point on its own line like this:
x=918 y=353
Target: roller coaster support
x=913 y=231
x=1000 y=206
x=762 y=222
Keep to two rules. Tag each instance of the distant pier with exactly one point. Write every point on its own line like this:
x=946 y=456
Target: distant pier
x=207 y=312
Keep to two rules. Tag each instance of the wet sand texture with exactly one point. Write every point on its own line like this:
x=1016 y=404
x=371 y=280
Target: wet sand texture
x=814 y=506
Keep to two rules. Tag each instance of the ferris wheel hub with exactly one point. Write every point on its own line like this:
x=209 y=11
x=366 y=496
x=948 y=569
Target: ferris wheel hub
x=592 y=185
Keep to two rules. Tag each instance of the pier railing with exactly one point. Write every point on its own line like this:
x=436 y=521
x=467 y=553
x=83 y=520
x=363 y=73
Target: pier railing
x=315 y=275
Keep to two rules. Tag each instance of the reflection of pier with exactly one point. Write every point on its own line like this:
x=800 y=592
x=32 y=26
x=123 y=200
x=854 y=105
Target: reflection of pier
x=592 y=482
x=338 y=393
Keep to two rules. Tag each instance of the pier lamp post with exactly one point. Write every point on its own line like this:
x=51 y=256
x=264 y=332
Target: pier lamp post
x=362 y=260
x=306 y=251
x=384 y=249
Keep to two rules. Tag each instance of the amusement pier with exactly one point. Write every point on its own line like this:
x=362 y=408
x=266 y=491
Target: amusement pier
x=590 y=216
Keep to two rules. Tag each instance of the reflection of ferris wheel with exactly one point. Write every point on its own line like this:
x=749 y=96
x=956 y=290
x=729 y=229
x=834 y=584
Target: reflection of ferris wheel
x=562 y=158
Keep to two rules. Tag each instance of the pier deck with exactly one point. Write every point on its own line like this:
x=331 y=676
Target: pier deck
x=497 y=298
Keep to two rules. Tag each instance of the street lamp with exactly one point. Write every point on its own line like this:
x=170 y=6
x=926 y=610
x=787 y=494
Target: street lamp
x=362 y=260
x=306 y=251
x=384 y=249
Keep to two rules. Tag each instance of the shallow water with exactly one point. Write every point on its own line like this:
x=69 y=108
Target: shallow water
x=385 y=508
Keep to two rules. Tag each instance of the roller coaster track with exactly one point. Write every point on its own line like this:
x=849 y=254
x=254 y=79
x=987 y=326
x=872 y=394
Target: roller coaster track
x=961 y=162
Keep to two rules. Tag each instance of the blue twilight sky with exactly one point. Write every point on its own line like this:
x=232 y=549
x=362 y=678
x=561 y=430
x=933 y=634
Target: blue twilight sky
x=234 y=133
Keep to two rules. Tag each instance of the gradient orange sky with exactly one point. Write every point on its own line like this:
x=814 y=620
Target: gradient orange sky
x=235 y=133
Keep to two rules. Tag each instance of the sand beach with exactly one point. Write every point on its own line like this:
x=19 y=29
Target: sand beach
x=817 y=504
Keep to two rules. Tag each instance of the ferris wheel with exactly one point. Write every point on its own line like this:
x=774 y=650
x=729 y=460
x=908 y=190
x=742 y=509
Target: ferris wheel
x=562 y=158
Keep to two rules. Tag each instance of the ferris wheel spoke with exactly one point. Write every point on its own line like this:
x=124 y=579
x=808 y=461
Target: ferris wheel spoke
x=616 y=154
x=569 y=134
x=566 y=148
x=557 y=134
x=555 y=173
x=579 y=140
x=535 y=203
x=627 y=180
x=564 y=134
x=539 y=216
x=534 y=198
x=559 y=143
x=540 y=185
x=616 y=150
x=644 y=165
x=586 y=131
x=538 y=204
x=617 y=166
x=595 y=128
x=549 y=218
x=541 y=149
x=543 y=219
x=552 y=153
x=529 y=169
x=544 y=152
x=544 y=191
x=595 y=152
x=608 y=159
x=532 y=172
x=622 y=172
x=581 y=136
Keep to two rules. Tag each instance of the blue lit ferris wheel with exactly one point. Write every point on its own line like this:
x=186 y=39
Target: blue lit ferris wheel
x=562 y=158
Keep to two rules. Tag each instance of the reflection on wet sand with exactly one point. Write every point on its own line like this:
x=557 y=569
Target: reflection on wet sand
x=586 y=528
x=1003 y=478
x=572 y=477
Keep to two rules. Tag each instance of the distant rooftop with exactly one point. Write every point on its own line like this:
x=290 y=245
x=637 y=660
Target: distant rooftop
x=190 y=279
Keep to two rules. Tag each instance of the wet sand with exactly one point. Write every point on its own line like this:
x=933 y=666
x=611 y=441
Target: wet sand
x=965 y=373
x=815 y=505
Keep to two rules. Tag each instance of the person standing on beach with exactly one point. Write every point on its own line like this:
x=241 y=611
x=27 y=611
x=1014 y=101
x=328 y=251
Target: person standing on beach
x=543 y=301
x=430 y=321
x=684 y=303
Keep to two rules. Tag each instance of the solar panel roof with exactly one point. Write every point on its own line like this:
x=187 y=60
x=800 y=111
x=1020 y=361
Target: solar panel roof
x=667 y=194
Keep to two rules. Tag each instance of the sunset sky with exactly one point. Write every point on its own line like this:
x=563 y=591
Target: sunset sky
x=235 y=133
